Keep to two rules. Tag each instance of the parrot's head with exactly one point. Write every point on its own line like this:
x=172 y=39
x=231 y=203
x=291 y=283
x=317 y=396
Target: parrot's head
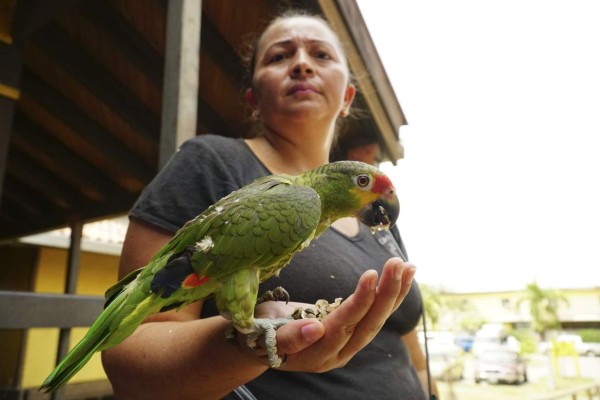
x=363 y=191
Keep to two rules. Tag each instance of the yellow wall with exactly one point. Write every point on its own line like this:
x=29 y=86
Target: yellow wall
x=97 y=272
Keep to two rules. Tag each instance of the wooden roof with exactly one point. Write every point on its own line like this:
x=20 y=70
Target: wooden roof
x=82 y=98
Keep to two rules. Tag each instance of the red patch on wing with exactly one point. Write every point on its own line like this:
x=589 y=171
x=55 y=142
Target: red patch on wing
x=193 y=280
x=382 y=184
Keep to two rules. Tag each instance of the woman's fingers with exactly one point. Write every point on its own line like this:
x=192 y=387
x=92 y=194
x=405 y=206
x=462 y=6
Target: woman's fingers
x=316 y=346
x=392 y=288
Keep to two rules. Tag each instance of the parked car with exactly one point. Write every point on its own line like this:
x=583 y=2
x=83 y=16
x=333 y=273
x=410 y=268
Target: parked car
x=465 y=342
x=492 y=336
x=574 y=343
x=500 y=365
x=446 y=366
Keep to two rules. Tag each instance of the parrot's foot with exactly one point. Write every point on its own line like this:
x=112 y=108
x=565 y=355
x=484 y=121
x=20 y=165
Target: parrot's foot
x=268 y=328
x=276 y=294
x=322 y=309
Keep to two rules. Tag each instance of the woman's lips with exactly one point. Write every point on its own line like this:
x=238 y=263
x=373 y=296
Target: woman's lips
x=302 y=88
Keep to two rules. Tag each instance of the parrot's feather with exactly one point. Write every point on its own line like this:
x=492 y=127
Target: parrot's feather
x=171 y=276
x=99 y=337
x=113 y=291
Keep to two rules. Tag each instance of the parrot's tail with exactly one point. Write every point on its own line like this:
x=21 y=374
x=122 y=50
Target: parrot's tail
x=119 y=319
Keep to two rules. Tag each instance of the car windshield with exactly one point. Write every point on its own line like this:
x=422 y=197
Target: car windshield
x=502 y=356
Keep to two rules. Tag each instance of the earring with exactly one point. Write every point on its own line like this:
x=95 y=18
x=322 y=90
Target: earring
x=345 y=112
x=255 y=114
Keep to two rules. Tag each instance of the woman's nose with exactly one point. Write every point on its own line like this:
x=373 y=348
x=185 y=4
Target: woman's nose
x=302 y=65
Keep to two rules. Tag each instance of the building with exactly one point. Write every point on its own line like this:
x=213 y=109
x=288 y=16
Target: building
x=508 y=308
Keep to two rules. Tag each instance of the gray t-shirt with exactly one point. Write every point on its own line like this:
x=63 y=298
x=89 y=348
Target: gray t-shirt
x=209 y=167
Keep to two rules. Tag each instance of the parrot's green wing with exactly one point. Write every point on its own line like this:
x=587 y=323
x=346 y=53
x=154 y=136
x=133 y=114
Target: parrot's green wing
x=262 y=230
x=257 y=228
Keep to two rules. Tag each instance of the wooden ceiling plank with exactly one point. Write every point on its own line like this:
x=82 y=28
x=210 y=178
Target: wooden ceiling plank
x=82 y=67
x=29 y=198
x=240 y=22
x=129 y=162
x=130 y=42
x=32 y=15
x=213 y=43
x=81 y=171
x=149 y=17
x=58 y=217
x=29 y=172
x=212 y=121
x=18 y=208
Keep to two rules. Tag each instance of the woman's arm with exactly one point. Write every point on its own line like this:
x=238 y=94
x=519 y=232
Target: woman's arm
x=419 y=361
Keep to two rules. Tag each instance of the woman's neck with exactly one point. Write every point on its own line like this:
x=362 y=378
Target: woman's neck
x=291 y=154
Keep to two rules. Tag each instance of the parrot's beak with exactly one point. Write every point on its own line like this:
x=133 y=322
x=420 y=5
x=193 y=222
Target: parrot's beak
x=380 y=214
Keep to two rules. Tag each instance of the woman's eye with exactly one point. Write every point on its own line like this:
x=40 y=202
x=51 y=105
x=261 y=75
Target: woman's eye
x=323 y=56
x=277 y=57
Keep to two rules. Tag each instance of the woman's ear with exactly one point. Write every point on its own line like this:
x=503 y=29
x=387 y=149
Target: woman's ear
x=349 y=97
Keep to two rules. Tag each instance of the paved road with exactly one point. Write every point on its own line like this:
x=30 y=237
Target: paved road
x=539 y=369
x=540 y=366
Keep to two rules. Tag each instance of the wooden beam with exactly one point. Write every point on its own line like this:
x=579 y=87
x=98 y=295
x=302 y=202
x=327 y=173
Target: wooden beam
x=27 y=204
x=56 y=217
x=97 y=79
x=212 y=121
x=31 y=15
x=126 y=38
x=28 y=171
x=81 y=172
x=7 y=109
x=7 y=10
x=23 y=310
x=10 y=71
x=181 y=75
x=219 y=49
x=128 y=161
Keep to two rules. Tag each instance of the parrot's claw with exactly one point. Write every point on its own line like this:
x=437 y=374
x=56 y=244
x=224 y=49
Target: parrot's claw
x=268 y=327
x=276 y=294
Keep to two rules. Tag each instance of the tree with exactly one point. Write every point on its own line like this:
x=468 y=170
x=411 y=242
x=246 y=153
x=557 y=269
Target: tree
x=543 y=307
x=432 y=303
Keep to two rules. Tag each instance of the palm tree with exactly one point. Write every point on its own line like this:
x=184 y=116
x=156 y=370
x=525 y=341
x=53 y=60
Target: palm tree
x=543 y=307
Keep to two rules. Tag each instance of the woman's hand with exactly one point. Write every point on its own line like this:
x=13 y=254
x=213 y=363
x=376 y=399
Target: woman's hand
x=313 y=346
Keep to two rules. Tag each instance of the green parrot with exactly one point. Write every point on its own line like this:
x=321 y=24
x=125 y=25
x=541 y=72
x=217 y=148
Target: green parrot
x=234 y=245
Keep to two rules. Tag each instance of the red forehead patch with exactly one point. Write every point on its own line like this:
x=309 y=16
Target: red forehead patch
x=382 y=184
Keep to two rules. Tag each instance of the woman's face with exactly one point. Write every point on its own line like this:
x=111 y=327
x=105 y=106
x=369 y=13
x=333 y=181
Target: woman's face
x=300 y=73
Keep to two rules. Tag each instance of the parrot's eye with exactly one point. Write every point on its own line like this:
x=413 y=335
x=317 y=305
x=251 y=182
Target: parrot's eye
x=363 y=181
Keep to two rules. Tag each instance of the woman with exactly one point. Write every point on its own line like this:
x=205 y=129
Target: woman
x=300 y=86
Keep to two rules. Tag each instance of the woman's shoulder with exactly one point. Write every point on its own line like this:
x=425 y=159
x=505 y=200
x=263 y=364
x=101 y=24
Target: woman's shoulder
x=216 y=143
x=224 y=157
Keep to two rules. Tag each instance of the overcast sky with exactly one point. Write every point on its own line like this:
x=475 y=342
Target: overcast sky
x=500 y=184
